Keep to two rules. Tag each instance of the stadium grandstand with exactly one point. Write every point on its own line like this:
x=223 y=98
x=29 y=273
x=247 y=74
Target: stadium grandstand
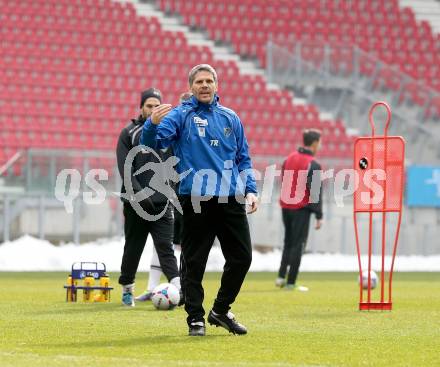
x=71 y=72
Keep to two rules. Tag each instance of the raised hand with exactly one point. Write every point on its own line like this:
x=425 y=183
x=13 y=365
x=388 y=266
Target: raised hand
x=159 y=113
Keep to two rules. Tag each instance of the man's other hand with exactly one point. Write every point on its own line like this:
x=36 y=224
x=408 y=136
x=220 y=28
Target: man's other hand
x=318 y=224
x=251 y=203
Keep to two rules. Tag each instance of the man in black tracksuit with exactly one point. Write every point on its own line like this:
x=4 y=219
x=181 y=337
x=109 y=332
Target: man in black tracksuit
x=300 y=196
x=137 y=228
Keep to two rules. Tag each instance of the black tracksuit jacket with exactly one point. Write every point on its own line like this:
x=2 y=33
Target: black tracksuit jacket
x=128 y=139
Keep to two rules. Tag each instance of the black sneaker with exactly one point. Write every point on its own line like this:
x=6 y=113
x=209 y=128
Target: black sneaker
x=228 y=322
x=196 y=328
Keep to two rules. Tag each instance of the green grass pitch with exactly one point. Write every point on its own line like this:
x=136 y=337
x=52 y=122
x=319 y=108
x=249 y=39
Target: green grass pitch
x=320 y=328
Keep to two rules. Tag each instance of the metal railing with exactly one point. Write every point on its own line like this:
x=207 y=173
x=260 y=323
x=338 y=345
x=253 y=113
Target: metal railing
x=44 y=216
x=287 y=63
x=314 y=65
x=32 y=194
x=10 y=162
x=39 y=167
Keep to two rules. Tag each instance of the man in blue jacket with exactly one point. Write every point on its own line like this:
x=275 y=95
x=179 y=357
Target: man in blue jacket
x=213 y=154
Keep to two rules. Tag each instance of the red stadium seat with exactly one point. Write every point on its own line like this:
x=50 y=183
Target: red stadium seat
x=374 y=26
x=82 y=65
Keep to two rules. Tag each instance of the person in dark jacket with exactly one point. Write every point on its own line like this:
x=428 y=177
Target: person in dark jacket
x=155 y=269
x=210 y=143
x=137 y=228
x=300 y=196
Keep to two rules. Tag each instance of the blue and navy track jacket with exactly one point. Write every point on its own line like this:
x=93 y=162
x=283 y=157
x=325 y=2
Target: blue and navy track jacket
x=209 y=140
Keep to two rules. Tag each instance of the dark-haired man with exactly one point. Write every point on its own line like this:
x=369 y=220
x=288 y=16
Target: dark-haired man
x=136 y=228
x=300 y=196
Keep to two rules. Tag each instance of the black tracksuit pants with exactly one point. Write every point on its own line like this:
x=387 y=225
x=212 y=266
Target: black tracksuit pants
x=136 y=232
x=178 y=223
x=296 y=225
x=227 y=222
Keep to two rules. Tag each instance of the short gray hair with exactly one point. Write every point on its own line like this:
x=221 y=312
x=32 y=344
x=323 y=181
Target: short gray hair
x=201 y=67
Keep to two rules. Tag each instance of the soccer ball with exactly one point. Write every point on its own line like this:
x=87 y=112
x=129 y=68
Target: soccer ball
x=374 y=279
x=165 y=296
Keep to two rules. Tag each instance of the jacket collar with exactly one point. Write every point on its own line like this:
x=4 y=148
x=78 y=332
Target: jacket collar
x=195 y=103
x=305 y=151
x=139 y=120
